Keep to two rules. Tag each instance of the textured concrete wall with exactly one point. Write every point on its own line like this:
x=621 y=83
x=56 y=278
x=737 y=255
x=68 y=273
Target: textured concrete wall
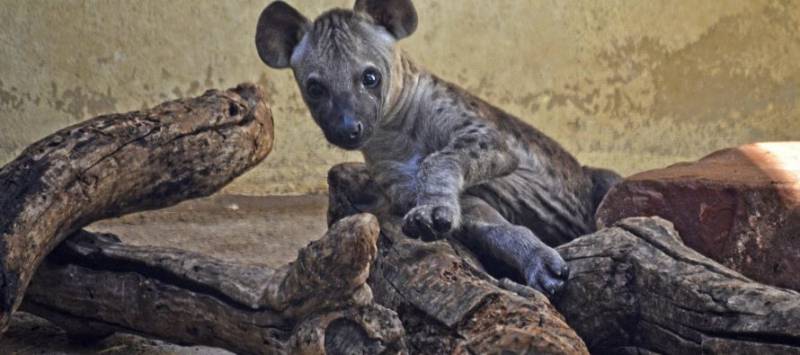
x=626 y=84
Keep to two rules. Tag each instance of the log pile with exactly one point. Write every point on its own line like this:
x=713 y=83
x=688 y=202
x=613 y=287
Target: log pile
x=634 y=288
x=93 y=286
x=363 y=288
x=446 y=301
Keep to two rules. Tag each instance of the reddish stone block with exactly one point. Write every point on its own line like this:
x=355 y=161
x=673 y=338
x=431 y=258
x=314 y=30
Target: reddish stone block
x=739 y=206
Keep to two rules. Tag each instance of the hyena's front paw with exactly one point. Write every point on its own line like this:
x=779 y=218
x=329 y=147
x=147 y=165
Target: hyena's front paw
x=429 y=222
x=547 y=271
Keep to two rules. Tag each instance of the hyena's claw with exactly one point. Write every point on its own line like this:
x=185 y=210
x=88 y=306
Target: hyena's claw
x=442 y=219
x=428 y=222
x=547 y=272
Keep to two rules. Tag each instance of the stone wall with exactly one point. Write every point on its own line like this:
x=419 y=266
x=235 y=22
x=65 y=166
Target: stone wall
x=630 y=85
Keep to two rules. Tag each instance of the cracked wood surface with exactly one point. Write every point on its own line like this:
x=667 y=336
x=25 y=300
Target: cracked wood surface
x=450 y=306
x=636 y=288
x=121 y=163
x=92 y=286
x=447 y=304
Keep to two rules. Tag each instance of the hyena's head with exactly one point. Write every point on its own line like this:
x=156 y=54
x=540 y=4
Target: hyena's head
x=342 y=61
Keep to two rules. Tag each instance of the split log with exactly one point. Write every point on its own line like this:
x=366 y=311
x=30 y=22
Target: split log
x=636 y=288
x=121 y=163
x=447 y=304
x=92 y=286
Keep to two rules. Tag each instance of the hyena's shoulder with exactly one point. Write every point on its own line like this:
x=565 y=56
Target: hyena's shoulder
x=517 y=132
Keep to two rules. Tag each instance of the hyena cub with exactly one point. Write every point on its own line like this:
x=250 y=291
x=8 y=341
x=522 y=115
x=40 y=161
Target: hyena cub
x=449 y=162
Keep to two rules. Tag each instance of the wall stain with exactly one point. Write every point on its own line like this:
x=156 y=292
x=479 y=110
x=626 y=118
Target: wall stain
x=80 y=103
x=209 y=75
x=619 y=86
x=9 y=98
x=77 y=103
x=741 y=71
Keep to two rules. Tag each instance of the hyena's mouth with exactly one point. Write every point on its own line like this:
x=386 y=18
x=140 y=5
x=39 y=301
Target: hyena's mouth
x=351 y=145
x=345 y=143
x=349 y=142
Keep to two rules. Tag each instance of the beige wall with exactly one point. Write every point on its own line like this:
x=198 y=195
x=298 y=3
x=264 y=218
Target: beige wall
x=625 y=84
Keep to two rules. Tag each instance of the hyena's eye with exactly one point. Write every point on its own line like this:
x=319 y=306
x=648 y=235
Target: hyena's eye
x=371 y=78
x=315 y=89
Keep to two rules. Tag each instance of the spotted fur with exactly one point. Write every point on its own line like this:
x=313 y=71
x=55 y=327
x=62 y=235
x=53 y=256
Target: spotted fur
x=448 y=161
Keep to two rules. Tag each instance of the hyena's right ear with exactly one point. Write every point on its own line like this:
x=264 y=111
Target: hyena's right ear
x=280 y=29
x=399 y=17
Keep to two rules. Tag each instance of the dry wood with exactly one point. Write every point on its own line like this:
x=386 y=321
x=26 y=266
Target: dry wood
x=446 y=302
x=120 y=163
x=635 y=288
x=92 y=285
x=427 y=298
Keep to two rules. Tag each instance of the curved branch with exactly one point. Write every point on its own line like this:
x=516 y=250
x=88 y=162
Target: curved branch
x=121 y=163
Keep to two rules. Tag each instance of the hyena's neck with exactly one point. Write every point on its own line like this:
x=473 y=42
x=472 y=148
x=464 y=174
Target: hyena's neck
x=412 y=122
x=404 y=109
x=406 y=94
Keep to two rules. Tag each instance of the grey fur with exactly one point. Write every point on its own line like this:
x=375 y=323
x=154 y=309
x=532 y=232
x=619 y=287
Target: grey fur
x=448 y=161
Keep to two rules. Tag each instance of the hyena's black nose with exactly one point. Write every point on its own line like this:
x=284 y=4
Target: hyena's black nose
x=349 y=131
x=356 y=131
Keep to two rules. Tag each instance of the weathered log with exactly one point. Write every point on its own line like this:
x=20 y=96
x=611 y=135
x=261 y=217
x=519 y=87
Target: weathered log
x=636 y=288
x=121 y=163
x=92 y=285
x=447 y=304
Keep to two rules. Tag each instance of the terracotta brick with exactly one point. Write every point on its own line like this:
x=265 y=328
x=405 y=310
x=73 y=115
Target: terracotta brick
x=739 y=206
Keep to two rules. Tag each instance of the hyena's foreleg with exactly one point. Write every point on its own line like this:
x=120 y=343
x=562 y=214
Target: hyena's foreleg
x=475 y=154
x=509 y=250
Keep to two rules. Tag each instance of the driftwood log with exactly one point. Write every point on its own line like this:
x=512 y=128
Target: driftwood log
x=447 y=304
x=421 y=298
x=92 y=286
x=636 y=288
x=121 y=163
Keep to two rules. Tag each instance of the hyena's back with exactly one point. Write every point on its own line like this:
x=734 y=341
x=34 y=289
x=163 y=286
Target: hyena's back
x=549 y=192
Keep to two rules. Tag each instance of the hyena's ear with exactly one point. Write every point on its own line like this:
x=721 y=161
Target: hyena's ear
x=398 y=16
x=280 y=28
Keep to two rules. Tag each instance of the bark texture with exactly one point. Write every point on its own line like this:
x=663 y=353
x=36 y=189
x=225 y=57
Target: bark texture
x=121 y=163
x=738 y=206
x=447 y=304
x=92 y=285
x=636 y=288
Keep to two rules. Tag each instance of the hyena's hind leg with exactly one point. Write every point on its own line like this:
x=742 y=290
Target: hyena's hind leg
x=508 y=250
x=352 y=191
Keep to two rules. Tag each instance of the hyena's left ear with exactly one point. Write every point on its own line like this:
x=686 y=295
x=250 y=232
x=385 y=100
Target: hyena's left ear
x=398 y=16
x=280 y=29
